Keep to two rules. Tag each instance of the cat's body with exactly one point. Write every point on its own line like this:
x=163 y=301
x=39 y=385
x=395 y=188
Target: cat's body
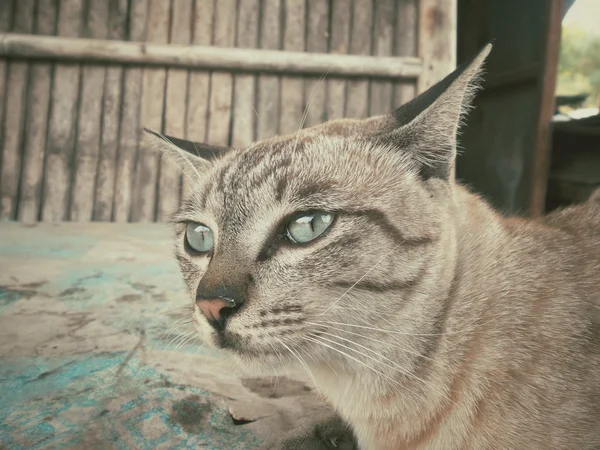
x=425 y=318
x=519 y=348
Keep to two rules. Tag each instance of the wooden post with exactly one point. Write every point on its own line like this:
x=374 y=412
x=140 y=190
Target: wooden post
x=543 y=134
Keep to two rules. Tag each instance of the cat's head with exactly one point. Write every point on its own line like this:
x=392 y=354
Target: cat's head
x=290 y=241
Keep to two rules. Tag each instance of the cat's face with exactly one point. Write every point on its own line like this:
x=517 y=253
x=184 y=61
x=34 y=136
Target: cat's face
x=296 y=237
x=302 y=234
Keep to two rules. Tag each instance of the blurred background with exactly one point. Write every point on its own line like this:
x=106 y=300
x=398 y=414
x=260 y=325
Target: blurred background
x=80 y=78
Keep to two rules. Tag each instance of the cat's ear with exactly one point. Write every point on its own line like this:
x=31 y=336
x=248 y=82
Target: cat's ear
x=427 y=126
x=190 y=157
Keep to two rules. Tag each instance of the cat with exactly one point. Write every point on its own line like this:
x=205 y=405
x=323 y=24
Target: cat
x=425 y=318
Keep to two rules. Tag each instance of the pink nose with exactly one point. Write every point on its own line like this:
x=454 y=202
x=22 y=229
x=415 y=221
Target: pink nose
x=215 y=310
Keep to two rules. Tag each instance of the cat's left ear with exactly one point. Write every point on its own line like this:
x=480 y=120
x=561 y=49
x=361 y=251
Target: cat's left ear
x=190 y=157
x=427 y=126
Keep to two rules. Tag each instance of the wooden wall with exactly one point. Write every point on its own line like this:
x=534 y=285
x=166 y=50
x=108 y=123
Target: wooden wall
x=70 y=129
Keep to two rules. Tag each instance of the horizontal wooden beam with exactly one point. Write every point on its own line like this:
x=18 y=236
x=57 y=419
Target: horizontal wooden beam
x=25 y=46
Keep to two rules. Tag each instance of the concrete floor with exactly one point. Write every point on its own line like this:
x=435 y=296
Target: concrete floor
x=86 y=359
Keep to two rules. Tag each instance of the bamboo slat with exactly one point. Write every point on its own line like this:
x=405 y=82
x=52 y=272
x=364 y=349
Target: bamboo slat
x=63 y=115
x=143 y=206
x=14 y=124
x=199 y=83
x=315 y=88
x=169 y=184
x=219 y=118
x=268 y=85
x=357 y=100
x=38 y=102
x=340 y=43
x=405 y=36
x=111 y=109
x=244 y=100
x=292 y=88
x=87 y=143
x=130 y=120
x=217 y=57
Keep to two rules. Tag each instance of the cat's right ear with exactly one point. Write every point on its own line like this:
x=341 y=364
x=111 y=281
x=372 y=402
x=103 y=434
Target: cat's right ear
x=190 y=157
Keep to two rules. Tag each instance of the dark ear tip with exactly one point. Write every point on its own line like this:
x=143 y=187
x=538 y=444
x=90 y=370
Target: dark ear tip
x=152 y=132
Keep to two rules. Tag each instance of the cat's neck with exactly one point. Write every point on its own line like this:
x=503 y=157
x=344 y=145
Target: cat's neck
x=422 y=391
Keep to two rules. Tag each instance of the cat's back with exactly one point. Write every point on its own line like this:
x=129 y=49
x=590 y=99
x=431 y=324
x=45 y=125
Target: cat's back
x=582 y=222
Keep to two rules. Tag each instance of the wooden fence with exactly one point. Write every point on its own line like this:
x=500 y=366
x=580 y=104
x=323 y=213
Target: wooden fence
x=80 y=78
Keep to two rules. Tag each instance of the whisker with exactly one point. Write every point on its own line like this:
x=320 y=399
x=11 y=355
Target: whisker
x=395 y=345
x=191 y=358
x=392 y=364
x=302 y=362
x=383 y=375
x=400 y=332
x=361 y=278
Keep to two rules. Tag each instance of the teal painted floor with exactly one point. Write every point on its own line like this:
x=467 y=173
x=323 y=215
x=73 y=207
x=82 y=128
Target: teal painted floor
x=89 y=356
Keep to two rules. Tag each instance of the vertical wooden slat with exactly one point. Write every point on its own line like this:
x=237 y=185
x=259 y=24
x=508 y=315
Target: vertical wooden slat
x=111 y=108
x=357 y=100
x=437 y=40
x=268 y=85
x=199 y=82
x=6 y=14
x=219 y=114
x=16 y=90
x=381 y=90
x=38 y=101
x=175 y=102
x=315 y=89
x=87 y=144
x=151 y=114
x=340 y=41
x=543 y=130
x=405 y=45
x=63 y=111
x=292 y=88
x=130 y=119
x=244 y=115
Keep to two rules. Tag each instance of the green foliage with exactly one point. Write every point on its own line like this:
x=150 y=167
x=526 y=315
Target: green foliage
x=579 y=64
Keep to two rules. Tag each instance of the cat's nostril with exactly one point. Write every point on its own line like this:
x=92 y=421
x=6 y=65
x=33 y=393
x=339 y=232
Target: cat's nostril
x=216 y=310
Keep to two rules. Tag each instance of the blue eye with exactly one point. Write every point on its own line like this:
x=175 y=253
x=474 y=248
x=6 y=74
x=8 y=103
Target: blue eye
x=199 y=237
x=307 y=227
